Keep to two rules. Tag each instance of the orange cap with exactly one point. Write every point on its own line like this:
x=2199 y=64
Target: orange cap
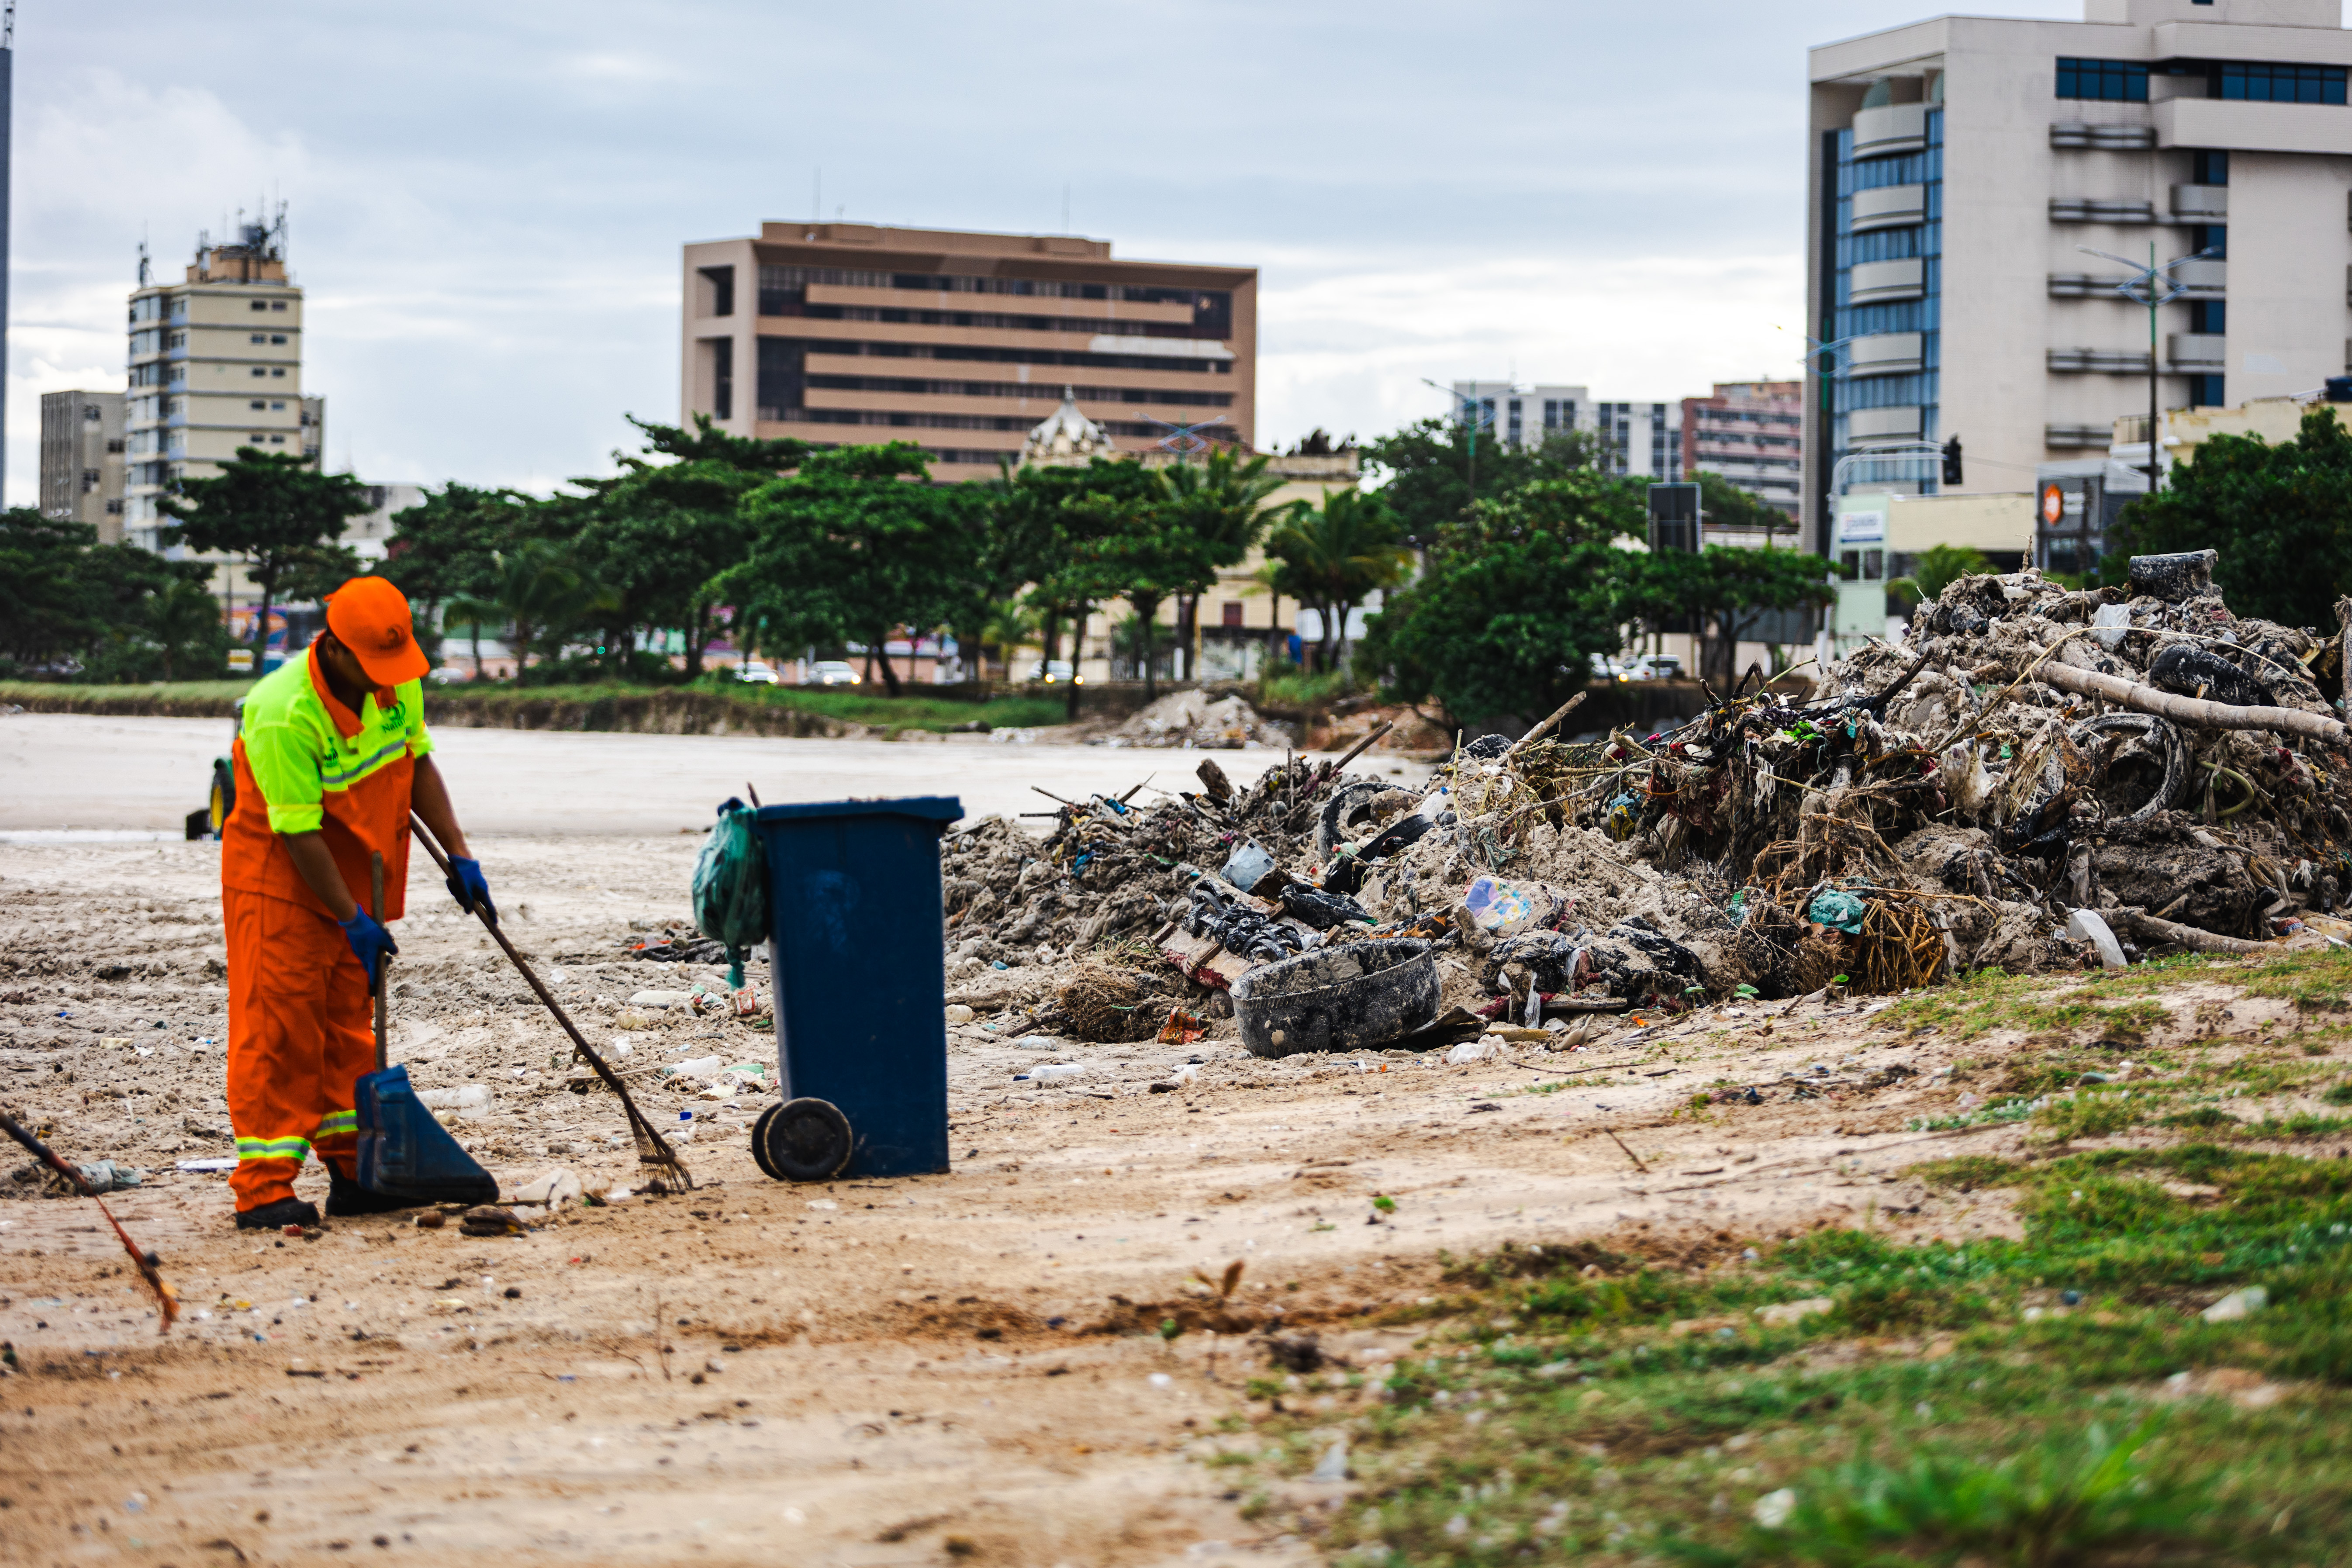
x=369 y=617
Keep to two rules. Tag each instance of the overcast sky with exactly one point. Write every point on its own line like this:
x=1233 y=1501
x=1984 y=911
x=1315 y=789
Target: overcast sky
x=487 y=200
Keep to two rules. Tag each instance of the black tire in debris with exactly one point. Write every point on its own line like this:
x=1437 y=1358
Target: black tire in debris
x=1356 y=997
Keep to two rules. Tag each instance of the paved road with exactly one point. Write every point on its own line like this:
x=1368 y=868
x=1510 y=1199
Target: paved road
x=92 y=775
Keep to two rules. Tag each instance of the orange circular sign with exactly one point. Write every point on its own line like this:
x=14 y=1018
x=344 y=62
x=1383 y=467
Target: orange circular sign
x=2053 y=504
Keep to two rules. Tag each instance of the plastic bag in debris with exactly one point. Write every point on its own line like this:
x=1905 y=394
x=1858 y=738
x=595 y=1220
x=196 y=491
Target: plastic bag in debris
x=1321 y=910
x=1840 y=910
x=109 y=1176
x=730 y=887
x=1505 y=908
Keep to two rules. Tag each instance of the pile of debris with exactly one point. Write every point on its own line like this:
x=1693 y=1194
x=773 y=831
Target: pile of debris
x=2042 y=777
x=1193 y=722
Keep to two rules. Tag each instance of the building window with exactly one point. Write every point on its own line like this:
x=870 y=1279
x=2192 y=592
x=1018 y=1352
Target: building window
x=719 y=296
x=261 y=337
x=279 y=374
x=277 y=304
x=1232 y=614
x=2210 y=168
x=114 y=509
x=2205 y=392
x=257 y=403
x=2279 y=84
x=176 y=341
x=2211 y=239
x=2120 y=81
x=277 y=440
x=278 y=337
x=90 y=411
x=257 y=371
x=2209 y=316
x=1516 y=425
x=276 y=403
x=261 y=304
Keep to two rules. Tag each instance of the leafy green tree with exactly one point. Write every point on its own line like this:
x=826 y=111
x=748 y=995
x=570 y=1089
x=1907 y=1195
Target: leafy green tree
x=447 y=547
x=1727 y=588
x=1508 y=629
x=1223 y=503
x=541 y=594
x=1940 y=566
x=1146 y=551
x=189 y=634
x=271 y=508
x=2280 y=516
x=1334 y=556
x=1581 y=504
x=1431 y=470
x=1008 y=624
x=854 y=545
x=1047 y=528
x=1726 y=505
x=117 y=612
x=51 y=607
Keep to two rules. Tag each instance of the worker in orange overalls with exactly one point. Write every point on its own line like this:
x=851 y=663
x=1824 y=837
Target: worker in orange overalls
x=331 y=753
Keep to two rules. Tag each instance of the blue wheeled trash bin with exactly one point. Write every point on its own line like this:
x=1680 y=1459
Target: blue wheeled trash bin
x=860 y=981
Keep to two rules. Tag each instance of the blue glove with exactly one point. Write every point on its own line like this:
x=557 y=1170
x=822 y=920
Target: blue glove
x=469 y=887
x=370 y=943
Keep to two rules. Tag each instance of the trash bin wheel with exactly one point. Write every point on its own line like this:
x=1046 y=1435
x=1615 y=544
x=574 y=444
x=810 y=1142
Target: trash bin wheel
x=223 y=798
x=802 y=1139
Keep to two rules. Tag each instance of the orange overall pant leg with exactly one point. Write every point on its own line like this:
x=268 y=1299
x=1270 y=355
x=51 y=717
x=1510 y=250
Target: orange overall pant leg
x=300 y=1032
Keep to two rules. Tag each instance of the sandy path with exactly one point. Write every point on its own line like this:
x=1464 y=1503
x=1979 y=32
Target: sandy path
x=74 y=772
x=901 y=1362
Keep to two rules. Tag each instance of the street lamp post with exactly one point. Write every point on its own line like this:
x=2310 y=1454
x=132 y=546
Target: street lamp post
x=2151 y=286
x=1470 y=418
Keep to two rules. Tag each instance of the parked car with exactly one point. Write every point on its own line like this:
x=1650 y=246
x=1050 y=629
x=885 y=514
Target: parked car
x=448 y=675
x=1607 y=669
x=757 y=672
x=1656 y=667
x=1055 y=671
x=835 y=672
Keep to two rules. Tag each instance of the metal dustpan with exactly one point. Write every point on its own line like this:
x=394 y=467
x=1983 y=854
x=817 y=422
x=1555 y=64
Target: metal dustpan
x=406 y=1152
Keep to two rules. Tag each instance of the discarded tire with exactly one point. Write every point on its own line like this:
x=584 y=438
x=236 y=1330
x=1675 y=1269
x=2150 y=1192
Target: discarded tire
x=2153 y=757
x=802 y=1140
x=1342 y=998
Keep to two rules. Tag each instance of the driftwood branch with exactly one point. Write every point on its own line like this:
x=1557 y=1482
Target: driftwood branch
x=2192 y=709
x=2147 y=928
x=1562 y=711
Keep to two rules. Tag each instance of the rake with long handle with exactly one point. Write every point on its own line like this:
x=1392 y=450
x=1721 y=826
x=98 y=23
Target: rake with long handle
x=167 y=1300
x=652 y=1149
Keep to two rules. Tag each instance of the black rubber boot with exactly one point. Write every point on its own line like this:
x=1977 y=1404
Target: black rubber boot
x=345 y=1197
x=278 y=1215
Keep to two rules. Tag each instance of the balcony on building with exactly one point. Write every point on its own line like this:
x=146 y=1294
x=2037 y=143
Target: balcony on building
x=1890 y=128
x=1888 y=207
x=2104 y=138
x=2201 y=204
x=1882 y=426
x=2101 y=209
x=2239 y=125
x=1880 y=282
x=1886 y=354
x=2197 y=352
x=2098 y=362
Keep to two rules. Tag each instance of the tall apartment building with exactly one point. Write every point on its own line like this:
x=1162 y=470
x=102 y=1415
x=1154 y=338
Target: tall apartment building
x=82 y=461
x=215 y=364
x=843 y=334
x=1753 y=433
x=1961 y=166
x=1636 y=437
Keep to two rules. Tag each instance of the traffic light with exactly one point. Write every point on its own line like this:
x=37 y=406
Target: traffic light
x=1952 y=461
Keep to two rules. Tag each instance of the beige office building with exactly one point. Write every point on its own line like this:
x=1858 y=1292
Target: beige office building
x=846 y=333
x=216 y=363
x=82 y=461
x=1962 y=167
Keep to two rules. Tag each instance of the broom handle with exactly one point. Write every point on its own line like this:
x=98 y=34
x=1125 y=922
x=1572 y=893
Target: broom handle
x=588 y=1053
x=383 y=963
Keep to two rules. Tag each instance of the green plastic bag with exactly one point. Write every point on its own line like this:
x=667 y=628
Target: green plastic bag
x=730 y=887
x=1838 y=910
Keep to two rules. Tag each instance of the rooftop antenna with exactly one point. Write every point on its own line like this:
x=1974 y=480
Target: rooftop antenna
x=146 y=274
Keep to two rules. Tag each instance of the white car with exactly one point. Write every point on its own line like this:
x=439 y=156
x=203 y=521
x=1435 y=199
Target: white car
x=1656 y=667
x=1054 y=671
x=835 y=672
x=757 y=672
x=1607 y=669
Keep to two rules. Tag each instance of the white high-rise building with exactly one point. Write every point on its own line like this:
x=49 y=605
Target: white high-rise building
x=1637 y=439
x=1962 y=170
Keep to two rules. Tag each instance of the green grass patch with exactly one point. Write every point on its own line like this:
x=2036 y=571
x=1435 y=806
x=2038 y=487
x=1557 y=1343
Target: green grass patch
x=863 y=705
x=2116 y=1003
x=1846 y=1399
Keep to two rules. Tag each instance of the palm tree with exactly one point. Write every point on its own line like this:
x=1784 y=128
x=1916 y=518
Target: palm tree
x=1333 y=558
x=1223 y=502
x=1009 y=625
x=536 y=590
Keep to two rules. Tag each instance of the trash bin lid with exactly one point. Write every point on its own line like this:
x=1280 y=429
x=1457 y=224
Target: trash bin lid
x=924 y=807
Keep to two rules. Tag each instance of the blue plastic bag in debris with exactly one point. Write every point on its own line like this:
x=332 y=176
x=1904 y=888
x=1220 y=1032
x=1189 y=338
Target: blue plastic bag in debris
x=730 y=887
